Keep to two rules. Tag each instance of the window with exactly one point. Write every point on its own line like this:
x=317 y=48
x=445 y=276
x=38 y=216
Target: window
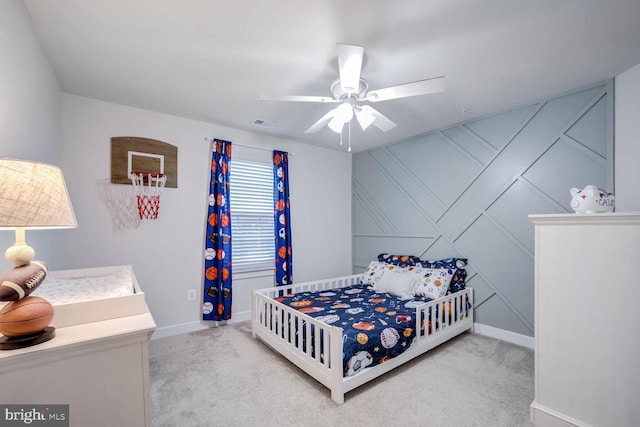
x=251 y=203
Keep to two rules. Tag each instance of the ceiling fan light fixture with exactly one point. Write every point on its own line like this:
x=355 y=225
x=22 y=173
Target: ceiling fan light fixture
x=336 y=125
x=344 y=112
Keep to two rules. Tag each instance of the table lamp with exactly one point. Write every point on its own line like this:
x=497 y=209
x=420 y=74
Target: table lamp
x=32 y=196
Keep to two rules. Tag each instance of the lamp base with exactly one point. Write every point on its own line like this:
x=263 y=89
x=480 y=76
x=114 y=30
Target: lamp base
x=39 y=337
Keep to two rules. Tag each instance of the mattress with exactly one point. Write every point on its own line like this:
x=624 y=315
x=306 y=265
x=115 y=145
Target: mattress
x=377 y=326
x=59 y=289
x=92 y=295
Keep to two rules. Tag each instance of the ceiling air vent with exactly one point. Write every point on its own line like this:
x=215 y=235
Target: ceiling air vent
x=261 y=122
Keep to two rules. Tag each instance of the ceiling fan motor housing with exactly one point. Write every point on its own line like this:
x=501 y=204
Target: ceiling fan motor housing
x=341 y=95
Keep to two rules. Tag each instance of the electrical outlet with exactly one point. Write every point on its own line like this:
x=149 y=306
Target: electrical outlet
x=191 y=295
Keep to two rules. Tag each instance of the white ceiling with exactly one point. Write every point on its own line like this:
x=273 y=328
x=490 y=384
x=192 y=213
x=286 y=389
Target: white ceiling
x=210 y=60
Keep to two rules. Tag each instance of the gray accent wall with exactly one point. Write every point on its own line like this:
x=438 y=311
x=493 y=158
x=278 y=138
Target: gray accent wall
x=467 y=191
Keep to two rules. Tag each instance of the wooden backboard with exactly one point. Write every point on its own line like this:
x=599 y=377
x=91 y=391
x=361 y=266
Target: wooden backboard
x=133 y=154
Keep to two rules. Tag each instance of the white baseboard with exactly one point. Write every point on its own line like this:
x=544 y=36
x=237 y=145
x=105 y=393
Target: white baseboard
x=185 y=328
x=503 y=335
x=540 y=415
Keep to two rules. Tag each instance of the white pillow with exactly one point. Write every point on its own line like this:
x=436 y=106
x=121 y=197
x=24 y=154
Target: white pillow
x=433 y=282
x=373 y=271
x=396 y=280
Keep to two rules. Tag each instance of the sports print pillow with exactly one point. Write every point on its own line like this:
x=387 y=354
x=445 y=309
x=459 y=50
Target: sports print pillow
x=433 y=282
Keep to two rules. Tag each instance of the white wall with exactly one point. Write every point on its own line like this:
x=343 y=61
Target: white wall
x=627 y=140
x=166 y=253
x=29 y=111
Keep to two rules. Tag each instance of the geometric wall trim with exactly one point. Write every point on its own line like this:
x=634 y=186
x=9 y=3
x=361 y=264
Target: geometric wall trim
x=468 y=190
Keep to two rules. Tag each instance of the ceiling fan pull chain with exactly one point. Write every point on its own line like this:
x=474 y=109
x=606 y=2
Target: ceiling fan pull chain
x=349 y=136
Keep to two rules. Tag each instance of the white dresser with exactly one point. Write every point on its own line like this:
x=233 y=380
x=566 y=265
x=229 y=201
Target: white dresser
x=587 y=320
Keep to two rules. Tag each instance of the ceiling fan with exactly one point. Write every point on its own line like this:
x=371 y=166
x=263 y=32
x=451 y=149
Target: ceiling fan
x=350 y=90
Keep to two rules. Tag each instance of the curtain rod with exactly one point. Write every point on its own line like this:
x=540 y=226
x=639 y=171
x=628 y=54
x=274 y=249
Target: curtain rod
x=209 y=139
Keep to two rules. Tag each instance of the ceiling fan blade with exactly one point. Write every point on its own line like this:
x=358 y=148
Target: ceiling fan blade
x=322 y=122
x=421 y=87
x=350 y=66
x=297 y=98
x=381 y=121
x=364 y=116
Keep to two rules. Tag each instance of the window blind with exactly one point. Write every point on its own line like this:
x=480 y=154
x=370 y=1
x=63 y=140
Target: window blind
x=251 y=203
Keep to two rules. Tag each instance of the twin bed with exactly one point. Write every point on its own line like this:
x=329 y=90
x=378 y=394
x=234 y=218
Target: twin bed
x=349 y=330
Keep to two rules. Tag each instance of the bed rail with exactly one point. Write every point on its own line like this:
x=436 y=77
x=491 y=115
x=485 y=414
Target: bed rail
x=444 y=312
x=310 y=344
x=316 y=347
x=314 y=286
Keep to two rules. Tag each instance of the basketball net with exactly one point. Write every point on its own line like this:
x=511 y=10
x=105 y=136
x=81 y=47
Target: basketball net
x=148 y=188
x=121 y=204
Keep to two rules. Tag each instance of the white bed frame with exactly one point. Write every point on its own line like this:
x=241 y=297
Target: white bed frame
x=326 y=365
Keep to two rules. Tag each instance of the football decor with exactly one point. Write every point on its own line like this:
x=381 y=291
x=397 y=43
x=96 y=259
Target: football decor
x=20 y=281
x=25 y=319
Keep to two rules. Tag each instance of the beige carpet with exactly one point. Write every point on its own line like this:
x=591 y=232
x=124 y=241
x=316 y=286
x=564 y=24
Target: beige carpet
x=224 y=377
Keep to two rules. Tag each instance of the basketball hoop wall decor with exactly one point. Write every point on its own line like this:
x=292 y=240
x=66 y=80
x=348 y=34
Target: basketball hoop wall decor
x=149 y=166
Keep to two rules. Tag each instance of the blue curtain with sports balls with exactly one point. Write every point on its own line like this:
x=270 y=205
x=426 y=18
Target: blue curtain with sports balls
x=282 y=219
x=217 y=255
